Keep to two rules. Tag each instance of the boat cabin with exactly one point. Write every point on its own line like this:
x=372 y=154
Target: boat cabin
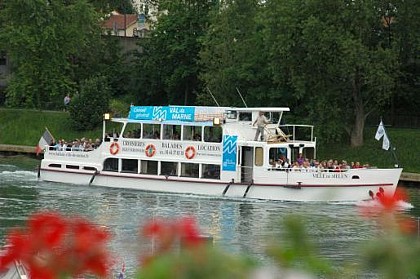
x=205 y=142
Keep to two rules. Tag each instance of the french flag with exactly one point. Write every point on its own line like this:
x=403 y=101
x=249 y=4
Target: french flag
x=46 y=139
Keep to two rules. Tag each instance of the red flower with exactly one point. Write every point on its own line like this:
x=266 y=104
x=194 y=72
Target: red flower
x=168 y=232
x=53 y=246
x=189 y=231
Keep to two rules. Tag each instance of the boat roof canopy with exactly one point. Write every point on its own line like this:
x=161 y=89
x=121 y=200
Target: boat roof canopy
x=264 y=109
x=190 y=114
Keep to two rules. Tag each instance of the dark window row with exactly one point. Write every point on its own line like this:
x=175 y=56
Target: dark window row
x=173 y=132
x=73 y=167
x=166 y=168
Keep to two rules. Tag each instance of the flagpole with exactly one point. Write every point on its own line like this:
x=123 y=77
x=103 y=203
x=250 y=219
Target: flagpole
x=381 y=132
x=397 y=165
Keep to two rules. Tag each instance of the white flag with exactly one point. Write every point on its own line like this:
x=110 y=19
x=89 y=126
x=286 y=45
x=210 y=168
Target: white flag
x=385 y=143
x=380 y=132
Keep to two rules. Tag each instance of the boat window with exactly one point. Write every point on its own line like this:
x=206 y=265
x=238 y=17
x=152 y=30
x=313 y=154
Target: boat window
x=89 y=168
x=172 y=132
x=232 y=114
x=211 y=171
x=274 y=117
x=54 y=165
x=245 y=116
x=308 y=152
x=189 y=170
x=213 y=134
x=191 y=133
x=132 y=131
x=259 y=156
x=151 y=131
x=277 y=152
x=149 y=167
x=111 y=164
x=73 y=167
x=169 y=168
x=129 y=165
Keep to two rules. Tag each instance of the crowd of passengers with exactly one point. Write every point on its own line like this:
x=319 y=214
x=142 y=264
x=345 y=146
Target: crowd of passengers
x=82 y=144
x=302 y=163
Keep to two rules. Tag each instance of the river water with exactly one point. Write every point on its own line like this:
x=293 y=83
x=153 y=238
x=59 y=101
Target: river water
x=237 y=226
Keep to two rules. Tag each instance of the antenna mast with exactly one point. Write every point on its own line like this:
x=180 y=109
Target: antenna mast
x=214 y=99
x=241 y=97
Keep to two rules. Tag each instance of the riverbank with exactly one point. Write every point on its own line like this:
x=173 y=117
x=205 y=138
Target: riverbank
x=10 y=149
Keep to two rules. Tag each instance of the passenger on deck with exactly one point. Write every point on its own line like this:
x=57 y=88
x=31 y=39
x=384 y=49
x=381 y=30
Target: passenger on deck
x=261 y=121
x=300 y=159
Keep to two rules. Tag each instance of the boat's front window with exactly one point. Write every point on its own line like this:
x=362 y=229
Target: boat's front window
x=232 y=114
x=274 y=117
x=192 y=133
x=245 y=116
x=132 y=130
x=151 y=131
x=213 y=134
x=172 y=132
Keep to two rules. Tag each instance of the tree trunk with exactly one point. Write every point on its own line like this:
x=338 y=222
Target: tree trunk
x=356 y=135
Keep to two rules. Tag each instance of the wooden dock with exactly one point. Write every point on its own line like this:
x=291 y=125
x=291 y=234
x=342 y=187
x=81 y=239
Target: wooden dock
x=19 y=149
x=9 y=149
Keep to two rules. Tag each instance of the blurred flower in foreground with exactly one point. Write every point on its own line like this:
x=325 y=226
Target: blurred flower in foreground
x=395 y=250
x=53 y=246
x=195 y=256
x=388 y=211
x=297 y=255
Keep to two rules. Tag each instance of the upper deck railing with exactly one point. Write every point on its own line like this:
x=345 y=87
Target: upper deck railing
x=298 y=132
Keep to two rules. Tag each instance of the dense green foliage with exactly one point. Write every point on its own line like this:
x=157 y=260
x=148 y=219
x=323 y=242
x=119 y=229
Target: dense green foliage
x=166 y=70
x=334 y=63
x=41 y=38
x=87 y=107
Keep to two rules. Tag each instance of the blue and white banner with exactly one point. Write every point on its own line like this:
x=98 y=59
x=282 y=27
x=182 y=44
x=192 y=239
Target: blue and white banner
x=179 y=113
x=229 y=153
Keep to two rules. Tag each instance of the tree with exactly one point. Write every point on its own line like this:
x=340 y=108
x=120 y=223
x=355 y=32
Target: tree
x=332 y=55
x=89 y=105
x=404 y=37
x=234 y=56
x=42 y=39
x=167 y=70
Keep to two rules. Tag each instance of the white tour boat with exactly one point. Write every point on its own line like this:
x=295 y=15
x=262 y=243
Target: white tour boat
x=212 y=151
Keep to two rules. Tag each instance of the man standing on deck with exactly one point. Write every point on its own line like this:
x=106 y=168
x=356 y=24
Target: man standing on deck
x=261 y=121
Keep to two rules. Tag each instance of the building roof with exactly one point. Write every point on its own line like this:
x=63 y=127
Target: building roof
x=116 y=21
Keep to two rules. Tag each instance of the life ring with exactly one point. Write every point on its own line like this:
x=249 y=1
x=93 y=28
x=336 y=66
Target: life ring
x=114 y=148
x=190 y=152
x=150 y=150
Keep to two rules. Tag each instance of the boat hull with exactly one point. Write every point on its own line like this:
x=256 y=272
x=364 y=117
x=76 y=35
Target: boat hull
x=302 y=187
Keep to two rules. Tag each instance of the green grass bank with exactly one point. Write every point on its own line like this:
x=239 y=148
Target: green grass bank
x=24 y=127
